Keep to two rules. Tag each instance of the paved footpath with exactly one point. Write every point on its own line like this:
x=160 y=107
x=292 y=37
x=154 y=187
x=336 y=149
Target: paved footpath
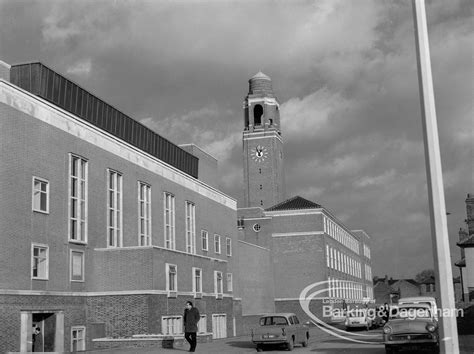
x=320 y=342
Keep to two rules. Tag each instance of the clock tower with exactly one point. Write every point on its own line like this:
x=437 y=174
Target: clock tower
x=262 y=145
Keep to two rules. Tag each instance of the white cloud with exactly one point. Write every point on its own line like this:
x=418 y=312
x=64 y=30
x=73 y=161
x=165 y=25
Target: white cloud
x=80 y=68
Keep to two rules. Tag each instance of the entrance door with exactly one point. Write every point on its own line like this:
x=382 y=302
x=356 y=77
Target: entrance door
x=219 y=326
x=44 y=332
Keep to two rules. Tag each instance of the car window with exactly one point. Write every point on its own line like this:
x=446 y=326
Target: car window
x=273 y=320
x=296 y=320
x=291 y=320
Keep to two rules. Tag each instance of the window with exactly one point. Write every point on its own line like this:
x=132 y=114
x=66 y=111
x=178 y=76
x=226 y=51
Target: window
x=218 y=284
x=114 y=209
x=39 y=261
x=230 y=285
x=169 y=221
x=144 y=214
x=40 y=195
x=171 y=279
x=204 y=240
x=78 y=339
x=77 y=199
x=228 y=246
x=172 y=325
x=217 y=244
x=190 y=227
x=197 y=281
x=77 y=266
x=257 y=114
x=202 y=324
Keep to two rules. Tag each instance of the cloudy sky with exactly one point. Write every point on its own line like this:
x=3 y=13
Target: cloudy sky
x=344 y=73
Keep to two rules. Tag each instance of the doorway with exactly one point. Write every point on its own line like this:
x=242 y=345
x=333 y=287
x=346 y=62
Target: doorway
x=42 y=331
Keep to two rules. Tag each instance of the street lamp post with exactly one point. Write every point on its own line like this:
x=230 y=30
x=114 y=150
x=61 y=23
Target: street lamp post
x=439 y=229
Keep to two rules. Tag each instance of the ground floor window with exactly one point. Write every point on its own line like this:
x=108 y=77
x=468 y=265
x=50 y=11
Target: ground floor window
x=78 y=338
x=202 y=324
x=219 y=326
x=172 y=325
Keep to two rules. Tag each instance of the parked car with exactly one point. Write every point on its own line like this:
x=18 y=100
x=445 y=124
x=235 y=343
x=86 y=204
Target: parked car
x=358 y=318
x=413 y=327
x=431 y=301
x=280 y=328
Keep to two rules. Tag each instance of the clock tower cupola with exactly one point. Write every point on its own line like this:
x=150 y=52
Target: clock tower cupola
x=262 y=145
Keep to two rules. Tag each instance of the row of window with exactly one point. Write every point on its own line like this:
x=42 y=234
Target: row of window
x=368 y=272
x=78 y=210
x=342 y=262
x=197 y=275
x=173 y=325
x=345 y=289
x=342 y=236
x=40 y=263
x=366 y=251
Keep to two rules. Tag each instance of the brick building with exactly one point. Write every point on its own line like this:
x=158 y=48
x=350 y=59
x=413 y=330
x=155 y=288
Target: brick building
x=289 y=244
x=466 y=244
x=106 y=227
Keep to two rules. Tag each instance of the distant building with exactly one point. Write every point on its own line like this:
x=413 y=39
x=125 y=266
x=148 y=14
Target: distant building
x=466 y=243
x=287 y=244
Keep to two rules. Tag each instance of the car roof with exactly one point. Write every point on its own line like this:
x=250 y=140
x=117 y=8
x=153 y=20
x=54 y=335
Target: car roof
x=409 y=305
x=284 y=314
x=416 y=299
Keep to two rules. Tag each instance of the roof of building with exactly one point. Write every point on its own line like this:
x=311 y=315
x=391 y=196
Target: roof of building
x=468 y=242
x=294 y=203
x=260 y=75
x=43 y=82
x=392 y=281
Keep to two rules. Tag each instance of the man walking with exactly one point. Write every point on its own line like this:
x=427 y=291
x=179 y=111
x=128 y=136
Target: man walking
x=191 y=318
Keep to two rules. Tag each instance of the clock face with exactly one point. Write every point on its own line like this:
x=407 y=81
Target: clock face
x=260 y=153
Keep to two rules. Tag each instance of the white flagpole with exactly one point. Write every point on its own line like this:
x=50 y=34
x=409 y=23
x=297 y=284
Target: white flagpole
x=439 y=229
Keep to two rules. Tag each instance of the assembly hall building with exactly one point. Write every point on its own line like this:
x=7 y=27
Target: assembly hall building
x=108 y=228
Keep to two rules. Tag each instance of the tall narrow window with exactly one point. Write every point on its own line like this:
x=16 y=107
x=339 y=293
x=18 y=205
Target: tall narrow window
x=230 y=286
x=190 y=228
x=205 y=240
x=217 y=244
x=39 y=261
x=169 y=221
x=77 y=199
x=40 y=195
x=218 y=284
x=197 y=281
x=114 y=209
x=171 y=277
x=144 y=214
x=77 y=266
x=228 y=246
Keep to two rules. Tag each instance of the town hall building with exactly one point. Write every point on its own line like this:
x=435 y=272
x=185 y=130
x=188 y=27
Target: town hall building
x=107 y=228
x=287 y=244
